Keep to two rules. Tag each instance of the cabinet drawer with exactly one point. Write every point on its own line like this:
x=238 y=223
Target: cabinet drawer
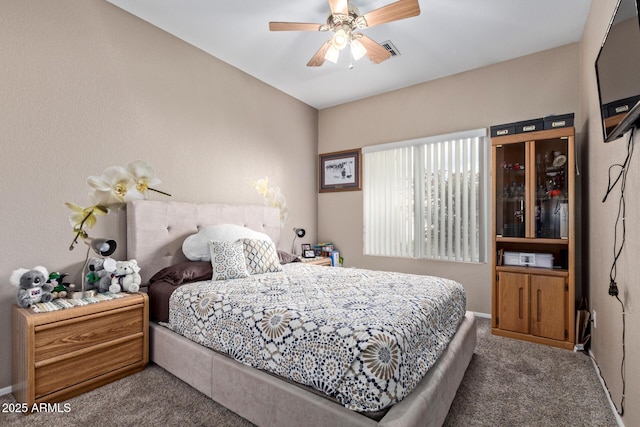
x=61 y=338
x=53 y=377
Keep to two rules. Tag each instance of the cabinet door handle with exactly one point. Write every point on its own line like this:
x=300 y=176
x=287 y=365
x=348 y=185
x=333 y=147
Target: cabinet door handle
x=538 y=311
x=521 y=303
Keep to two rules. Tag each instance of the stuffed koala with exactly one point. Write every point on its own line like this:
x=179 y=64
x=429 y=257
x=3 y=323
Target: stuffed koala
x=126 y=277
x=100 y=272
x=33 y=286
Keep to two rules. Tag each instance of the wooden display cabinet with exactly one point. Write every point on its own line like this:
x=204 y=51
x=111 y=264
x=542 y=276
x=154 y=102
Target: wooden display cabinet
x=63 y=353
x=533 y=213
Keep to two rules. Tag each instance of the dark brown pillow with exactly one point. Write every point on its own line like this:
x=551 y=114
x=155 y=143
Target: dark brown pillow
x=286 y=257
x=184 y=272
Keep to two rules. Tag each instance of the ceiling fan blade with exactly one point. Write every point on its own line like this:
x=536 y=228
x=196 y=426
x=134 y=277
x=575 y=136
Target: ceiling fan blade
x=339 y=6
x=375 y=52
x=294 y=26
x=318 y=58
x=401 y=9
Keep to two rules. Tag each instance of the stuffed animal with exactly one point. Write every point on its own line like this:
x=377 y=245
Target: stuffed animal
x=126 y=277
x=33 y=286
x=100 y=272
x=59 y=288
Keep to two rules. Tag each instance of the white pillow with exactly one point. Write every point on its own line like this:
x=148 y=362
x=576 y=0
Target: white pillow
x=227 y=260
x=261 y=256
x=196 y=246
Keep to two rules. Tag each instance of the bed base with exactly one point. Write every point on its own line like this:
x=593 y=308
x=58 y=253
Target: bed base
x=267 y=401
x=155 y=232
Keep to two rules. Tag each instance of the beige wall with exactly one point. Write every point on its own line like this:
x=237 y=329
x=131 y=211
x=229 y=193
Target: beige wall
x=84 y=85
x=525 y=88
x=598 y=230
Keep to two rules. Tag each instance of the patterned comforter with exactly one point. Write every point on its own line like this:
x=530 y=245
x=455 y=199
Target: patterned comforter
x=364 y=337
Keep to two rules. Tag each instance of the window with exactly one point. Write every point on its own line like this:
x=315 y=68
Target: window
x=424 y=198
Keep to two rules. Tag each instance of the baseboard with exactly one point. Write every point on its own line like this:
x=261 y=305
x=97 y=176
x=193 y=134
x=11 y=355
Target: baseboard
x=606 y=392
x=484 y=315
x=5 y=391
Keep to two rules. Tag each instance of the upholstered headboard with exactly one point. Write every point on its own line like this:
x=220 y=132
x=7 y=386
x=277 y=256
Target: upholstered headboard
x=156 y=229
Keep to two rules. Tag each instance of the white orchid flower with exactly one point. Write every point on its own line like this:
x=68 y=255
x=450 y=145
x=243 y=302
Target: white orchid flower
x=275 y=197
x=284 y=212
x=272 y=197
x=143 y=176
x=261 y=186
x=280 y=202
x=84 y=217
x=114 y=188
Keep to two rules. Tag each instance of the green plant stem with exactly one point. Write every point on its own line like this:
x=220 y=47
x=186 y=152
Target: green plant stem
x=80 y=230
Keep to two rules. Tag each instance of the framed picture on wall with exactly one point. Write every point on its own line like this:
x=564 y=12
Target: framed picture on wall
x=340 y=171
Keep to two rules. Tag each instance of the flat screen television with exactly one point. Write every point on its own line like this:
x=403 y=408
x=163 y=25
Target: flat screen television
x=618 y=72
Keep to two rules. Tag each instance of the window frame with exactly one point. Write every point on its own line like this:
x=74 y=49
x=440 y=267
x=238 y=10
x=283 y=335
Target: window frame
x=418 y=190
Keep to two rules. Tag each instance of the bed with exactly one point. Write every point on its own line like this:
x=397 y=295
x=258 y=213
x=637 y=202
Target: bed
x=156 y=231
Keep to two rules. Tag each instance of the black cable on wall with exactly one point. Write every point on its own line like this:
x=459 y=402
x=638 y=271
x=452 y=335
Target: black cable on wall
x=617 y=251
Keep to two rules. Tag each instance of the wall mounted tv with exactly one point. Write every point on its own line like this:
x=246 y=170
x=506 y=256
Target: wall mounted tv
x=618 y=72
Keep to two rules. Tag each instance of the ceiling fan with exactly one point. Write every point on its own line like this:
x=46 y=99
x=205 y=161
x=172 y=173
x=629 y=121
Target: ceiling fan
x=345 y=20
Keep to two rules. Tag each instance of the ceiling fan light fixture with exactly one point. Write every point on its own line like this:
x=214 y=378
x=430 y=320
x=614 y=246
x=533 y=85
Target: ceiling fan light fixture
x=340 y=39
x=357 y=49
x=332 y=54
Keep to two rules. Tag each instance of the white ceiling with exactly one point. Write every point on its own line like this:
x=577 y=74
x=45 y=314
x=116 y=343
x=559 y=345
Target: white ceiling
x=448 y=37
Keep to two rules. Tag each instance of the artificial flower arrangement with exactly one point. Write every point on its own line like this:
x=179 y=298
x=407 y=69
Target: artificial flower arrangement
x=272 y=197
x=113 y=189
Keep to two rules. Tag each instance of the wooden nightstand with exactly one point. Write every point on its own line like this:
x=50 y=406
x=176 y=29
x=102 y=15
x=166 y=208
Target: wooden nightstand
x=63 y=353
x=321 y=260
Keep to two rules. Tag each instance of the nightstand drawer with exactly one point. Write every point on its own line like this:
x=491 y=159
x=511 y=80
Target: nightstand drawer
x=62 y=338
x=87 y=365
x=326 y=261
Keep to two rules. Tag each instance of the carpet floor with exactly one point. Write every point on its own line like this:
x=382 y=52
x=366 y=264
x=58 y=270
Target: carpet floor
x=508 y=383
x=518 y=383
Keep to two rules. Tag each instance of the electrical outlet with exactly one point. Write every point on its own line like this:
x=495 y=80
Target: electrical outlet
x=593 y=315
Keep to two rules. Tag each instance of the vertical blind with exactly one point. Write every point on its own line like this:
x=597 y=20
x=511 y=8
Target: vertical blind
x=423 y=198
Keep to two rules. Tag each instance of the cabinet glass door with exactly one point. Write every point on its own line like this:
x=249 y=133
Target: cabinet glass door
x=510 y=190
x=551 y=194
